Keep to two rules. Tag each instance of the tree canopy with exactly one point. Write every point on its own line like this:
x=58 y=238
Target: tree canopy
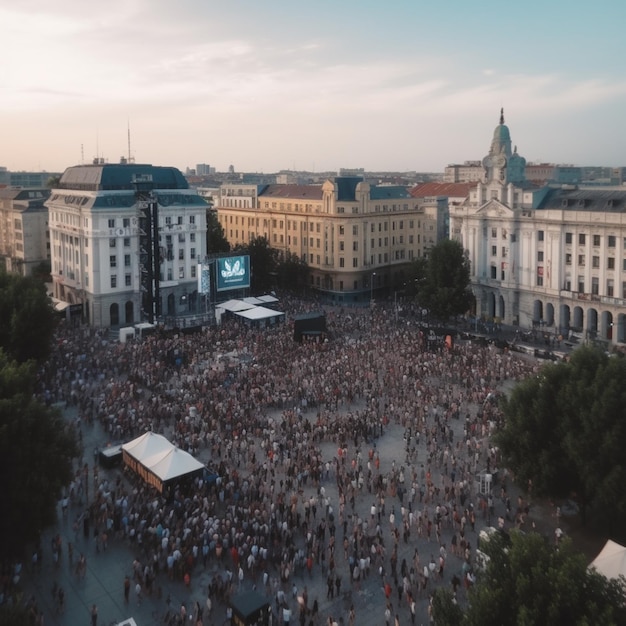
x=216 y=241
x=565 y=430
x=443 y=280
x=26 y=318
x=263 y=263
x=36 y=451
x=528 y=581
x=292 y=272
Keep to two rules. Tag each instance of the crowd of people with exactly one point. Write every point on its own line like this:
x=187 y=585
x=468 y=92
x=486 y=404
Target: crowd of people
x=303 y=485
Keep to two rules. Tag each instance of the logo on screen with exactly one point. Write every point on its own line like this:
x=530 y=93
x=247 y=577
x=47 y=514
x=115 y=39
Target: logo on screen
x=233 y=269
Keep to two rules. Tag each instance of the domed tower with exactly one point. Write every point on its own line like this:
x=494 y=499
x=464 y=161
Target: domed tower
x=501 y=164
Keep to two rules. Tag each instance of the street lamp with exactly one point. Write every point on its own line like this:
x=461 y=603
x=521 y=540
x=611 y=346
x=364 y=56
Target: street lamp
x=372 y=288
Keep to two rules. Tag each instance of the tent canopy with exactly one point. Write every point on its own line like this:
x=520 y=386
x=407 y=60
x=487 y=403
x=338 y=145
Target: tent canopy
x=611 y=562
x=235 y=305
x=157 y=460
x=259 y=313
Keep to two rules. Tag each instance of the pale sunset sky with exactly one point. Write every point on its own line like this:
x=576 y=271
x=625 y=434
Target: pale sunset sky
x=400 y=85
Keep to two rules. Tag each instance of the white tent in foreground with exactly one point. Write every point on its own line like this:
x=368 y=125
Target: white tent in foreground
x=611 y=562
x=158 y=461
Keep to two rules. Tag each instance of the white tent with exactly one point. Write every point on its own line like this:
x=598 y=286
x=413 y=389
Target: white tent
x=147 y=445
x=235 y=305
x=611 y=562
x=157 y=460
x=174 y=464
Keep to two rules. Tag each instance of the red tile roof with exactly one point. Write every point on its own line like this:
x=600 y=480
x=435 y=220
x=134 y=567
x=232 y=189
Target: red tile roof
x=453 y=190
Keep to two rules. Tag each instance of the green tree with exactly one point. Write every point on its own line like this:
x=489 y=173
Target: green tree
x=36 y=451
x=446 y=611
x=216 y=241
x=565 y=430
x=444 y=289
x=27 y=320
x=292 y=272
x=528 y=581
x=263 y=263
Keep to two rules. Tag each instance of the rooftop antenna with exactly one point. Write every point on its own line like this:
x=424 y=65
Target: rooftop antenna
x=82 y=154
x=130 y=158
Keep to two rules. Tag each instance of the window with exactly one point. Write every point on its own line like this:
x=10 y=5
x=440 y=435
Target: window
x=494 y=232
x=611 y=241
x=113 y=281
x=126 y=222
x=181 y=237
x=193 y=271
x=192 y=219
x=181 y=272
x=168 y=220
x=341 y=245
x=568 y=259
x=568 y=237
x=180 y=220
x=127 y=242
x=181 y=254
x=610 y=287
x=341 y=230
x=355 y=230
x=192 y=237
x=540 y=278
x=112 y=243
x=494 y=272
x=581 y=260
x=127 y=260
x=596 y=240
x=494 y=250
x=504 y=252
x=127 y=280
x=111 y=223
x=192 y=253
x=581 y=239
x=113 y=261
x=355 y=262
x=341 y=262
x=595 y=285
x=355 y=246
x=610 y=263
x=581 y=284
x=539 y=235
x=540 y=256
x=595 y=262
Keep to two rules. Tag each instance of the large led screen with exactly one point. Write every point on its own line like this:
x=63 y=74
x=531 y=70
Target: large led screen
x=233 y=272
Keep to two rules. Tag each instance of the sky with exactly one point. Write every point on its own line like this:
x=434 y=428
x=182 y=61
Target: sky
x=264 y=86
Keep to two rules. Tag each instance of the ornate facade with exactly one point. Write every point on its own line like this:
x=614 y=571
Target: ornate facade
x=548 y=257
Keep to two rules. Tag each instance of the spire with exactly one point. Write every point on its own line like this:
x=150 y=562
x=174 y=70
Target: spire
x=502 y=116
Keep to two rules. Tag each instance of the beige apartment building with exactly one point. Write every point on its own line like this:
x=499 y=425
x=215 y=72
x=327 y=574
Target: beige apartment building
x=24 y=236
x=358 y=239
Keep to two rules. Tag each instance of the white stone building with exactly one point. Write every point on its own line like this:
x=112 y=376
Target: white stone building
x=552 y=258
x=98 y=248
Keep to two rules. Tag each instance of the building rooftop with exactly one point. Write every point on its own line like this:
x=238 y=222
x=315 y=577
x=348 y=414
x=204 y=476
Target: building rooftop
x=297 y=192
x=454 y=190
x=120 y=176
x=583 y=199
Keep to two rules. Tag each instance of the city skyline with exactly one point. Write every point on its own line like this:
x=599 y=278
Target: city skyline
x=265 y=87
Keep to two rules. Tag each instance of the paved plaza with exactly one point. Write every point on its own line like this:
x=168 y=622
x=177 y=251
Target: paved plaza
x=102 y=583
